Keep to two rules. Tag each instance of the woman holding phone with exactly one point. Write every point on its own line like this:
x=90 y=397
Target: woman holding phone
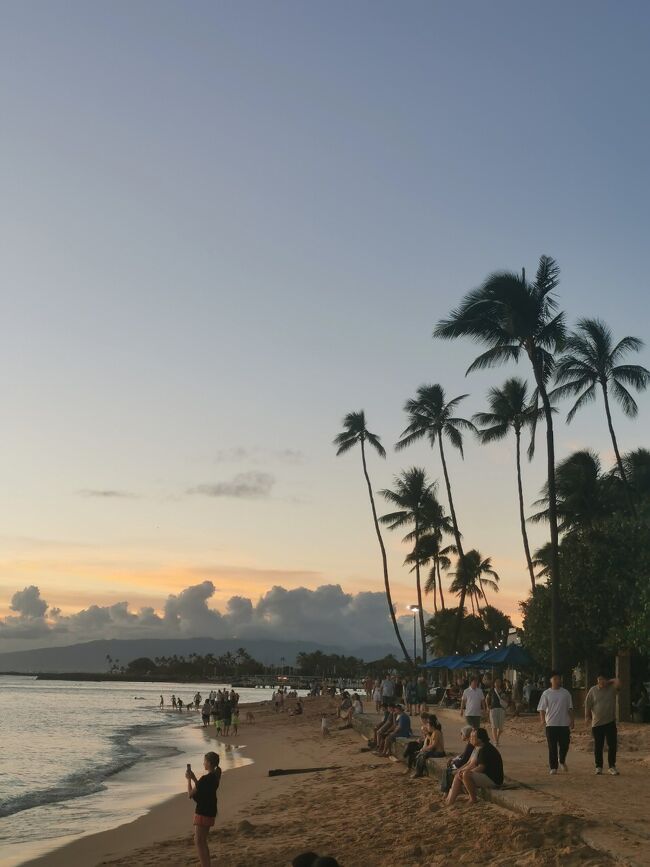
x=204 y=792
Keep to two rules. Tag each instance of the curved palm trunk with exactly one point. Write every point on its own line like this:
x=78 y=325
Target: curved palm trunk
x=619 y=462
x=383 y=558
x=552 y=513
x=418 y=585
x=522 y=516
x=442 y=598
x=459 y=544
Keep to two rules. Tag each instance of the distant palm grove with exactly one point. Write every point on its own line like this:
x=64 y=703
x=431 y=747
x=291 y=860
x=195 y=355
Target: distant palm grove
x=589 y=583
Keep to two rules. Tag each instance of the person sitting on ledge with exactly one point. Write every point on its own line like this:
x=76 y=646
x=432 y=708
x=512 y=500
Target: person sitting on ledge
x=385 y=725
x=483 y=771
x=464 y=757
x=413 y=747
x=433 y=748
x=401 y=729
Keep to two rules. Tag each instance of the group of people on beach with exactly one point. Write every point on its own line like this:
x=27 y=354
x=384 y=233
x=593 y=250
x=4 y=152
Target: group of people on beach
x=221 y=707
x=480 y=765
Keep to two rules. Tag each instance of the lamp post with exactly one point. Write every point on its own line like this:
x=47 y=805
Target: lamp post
x=414 y=609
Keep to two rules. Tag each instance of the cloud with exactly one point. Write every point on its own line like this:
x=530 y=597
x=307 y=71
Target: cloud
x=257 y=455
x=28 y=602
x=244 y=486
x=327 y=615
x=107 y=494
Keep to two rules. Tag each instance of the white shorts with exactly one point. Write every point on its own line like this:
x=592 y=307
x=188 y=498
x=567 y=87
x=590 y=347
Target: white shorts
x=498 y=718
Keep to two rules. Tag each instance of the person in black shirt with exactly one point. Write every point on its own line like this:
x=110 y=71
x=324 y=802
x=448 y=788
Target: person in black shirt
x=204 y=793
x=484 y=770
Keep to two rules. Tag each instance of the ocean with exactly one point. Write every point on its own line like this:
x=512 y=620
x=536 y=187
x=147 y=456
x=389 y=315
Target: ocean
x=81 y=757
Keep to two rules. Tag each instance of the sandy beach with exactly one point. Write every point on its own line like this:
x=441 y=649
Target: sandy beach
x=368 y=812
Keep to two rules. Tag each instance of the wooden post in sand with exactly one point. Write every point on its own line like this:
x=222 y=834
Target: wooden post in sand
x=623 y=673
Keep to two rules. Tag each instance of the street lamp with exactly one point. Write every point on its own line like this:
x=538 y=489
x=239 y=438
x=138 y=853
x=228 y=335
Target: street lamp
x=414 y=609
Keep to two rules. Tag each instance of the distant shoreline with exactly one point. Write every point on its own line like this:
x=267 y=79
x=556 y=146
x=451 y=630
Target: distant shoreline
x=119 y=678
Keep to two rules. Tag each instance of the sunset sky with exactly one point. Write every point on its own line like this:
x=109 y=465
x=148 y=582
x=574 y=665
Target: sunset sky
x=225 y=225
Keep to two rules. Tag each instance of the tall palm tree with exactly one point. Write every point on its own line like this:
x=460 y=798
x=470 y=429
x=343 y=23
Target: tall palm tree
x=592 y=359
x=430 y=550
x=436 y=522
x=510 y=410
x=473 y=574
x=513 y=316
x=432 y=417
x=355 y=433
x=411 y=495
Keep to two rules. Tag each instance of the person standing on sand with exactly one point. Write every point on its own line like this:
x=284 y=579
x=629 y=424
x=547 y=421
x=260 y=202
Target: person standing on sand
x=556 y=714
x=387 y=689
x=600 y=714
x=472 y=704
x=204 y=793
x=162 y=702
x=496 y=702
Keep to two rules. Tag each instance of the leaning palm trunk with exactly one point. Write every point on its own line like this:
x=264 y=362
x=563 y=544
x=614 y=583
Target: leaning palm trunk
x=418 y=585
x=619 y=462
x=552 y=511
x=383 y=559
x=442 y=598
x=522 y=516
x=459 y=544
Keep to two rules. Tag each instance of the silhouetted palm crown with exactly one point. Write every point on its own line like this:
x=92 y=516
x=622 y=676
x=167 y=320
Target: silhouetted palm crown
x=473 y=573
x=430 y=416
x=412 y=494
x=510 y=409
x=510 y=315
x=591 y=358
x=354 y=432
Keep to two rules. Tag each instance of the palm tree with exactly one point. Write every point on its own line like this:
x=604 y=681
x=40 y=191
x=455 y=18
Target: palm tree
x=435 y=523
x=591 y=359
x=513 y=316
x=584 y=493
x=510 y=410
x=427 y=551
x=355 y=432
x=412 y=496
x=431 y=417
x=473 y=574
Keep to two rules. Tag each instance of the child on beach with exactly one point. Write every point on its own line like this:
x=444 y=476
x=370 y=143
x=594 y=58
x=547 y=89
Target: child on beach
x=218 y=726
x=235 y=721
x=204 y=793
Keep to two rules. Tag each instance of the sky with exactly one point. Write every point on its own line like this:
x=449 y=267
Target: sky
x=225 y=225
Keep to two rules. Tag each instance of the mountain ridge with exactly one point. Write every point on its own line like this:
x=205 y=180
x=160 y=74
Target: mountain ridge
x=90 y=656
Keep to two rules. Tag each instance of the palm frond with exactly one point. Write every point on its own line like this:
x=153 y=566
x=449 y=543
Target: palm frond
x=587 y=396
x=632 y=374
x=624 y=398
x=495 y=356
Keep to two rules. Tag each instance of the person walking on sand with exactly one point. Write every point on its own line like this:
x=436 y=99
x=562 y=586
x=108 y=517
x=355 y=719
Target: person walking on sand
x=204 y=793
x=558 y=720
x=496 y=702
x=472 y=704
x=162 y=702
x=600 y=714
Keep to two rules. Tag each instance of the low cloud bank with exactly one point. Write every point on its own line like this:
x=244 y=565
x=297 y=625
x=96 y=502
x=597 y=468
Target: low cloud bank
x=326 y=615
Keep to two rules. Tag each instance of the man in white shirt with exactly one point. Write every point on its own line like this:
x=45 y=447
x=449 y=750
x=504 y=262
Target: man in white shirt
x=556 y=714
x=472 y=704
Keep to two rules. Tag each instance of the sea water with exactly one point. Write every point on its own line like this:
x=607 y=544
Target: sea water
x=81 y=757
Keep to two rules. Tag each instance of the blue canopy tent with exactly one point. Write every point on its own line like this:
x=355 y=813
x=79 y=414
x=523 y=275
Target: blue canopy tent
x=440 y=662
x=512 y=656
